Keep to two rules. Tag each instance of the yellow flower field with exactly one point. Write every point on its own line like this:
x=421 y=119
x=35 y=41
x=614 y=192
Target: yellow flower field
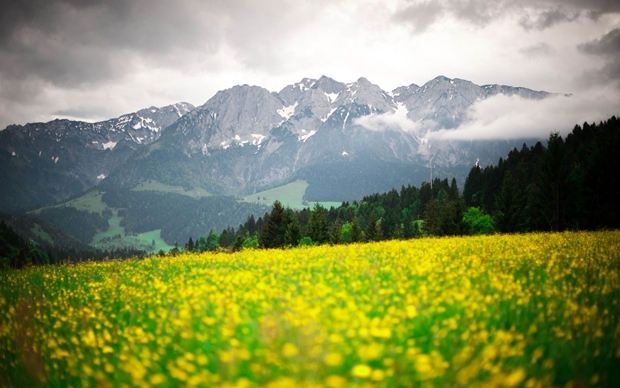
x=514 y=311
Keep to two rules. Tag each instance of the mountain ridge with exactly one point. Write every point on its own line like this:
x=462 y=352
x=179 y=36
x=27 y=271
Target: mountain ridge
x=308 y=123
x=344 y=140
x=42 y=163
x=246 y=138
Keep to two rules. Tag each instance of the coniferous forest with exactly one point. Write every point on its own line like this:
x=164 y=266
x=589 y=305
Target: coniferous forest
x=568 y=184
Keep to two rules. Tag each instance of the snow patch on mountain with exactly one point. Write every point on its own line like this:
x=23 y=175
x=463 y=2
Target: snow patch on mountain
x=305 y=137
x=331 y=97
x=288 y=111
x=109 y=145
x=258 y=138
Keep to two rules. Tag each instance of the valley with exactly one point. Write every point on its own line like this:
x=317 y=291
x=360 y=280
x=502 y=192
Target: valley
x=155 y=177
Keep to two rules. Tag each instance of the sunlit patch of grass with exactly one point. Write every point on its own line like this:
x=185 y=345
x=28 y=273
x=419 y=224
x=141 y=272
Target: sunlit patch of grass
x=290 y=195
x=153 y=185
x=91 y=202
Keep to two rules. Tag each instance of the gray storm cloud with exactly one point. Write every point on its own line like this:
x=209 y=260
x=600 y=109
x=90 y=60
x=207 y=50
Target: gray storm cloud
x=78 y=44
x=92 y=59
x=535 y=14
x=607 y=47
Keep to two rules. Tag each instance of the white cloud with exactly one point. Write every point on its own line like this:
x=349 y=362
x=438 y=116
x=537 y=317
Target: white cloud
x=504 y=117
x=396 y=121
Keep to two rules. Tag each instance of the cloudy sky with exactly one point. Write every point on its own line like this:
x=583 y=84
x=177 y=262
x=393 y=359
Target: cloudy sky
x=92 y=60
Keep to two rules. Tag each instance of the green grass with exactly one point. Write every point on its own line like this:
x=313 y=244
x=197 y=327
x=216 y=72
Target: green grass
x=91 y=202
x=109 y=239
x=290 y=195
x=154 y=235
x=40 y=233
x=154 y=185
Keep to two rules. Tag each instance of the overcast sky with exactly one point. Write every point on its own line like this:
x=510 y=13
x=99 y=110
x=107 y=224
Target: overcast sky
x=94 y=60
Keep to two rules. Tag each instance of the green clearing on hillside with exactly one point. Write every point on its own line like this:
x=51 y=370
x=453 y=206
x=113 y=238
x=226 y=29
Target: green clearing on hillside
x=43 y=235
x=153 y=185
x=290 y=195
x=115 y=237
x=91 y=202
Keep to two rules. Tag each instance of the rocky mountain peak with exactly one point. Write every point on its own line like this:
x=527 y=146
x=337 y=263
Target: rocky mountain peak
x=329 y=85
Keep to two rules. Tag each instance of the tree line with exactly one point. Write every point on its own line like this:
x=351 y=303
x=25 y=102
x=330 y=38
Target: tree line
x=568 y=185
x=435 y=209
x=16 y=252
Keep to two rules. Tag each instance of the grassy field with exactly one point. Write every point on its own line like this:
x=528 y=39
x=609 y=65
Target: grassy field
x=162 y=187
x=91 y=201
x=40 y=233
x=114 y=237
x=508 y=311
x=290 y=195
x=109 y=239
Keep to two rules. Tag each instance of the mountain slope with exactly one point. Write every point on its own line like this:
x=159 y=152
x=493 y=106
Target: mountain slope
x=41 y=232
x=245 y=139
x=41 y=163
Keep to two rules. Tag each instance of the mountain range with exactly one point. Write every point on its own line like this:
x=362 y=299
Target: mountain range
x=43 y=163
x=344 y=140
x=246 y=139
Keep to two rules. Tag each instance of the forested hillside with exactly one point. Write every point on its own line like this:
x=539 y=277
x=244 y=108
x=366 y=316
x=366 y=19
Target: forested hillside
x=570 y=184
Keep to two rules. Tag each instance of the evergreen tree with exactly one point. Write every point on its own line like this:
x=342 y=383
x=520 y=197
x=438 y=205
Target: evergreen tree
x=510 y=207
x=453 y=194
x=432 y=218
x=335 y=232
x=292 y=235
x=552 y=182
x=317 y=225
x=190 y=245
x=371 y=226
x=357 y=233
x=451 y=223
x=251 y=225
x=408 y=225
x=473 y=191
x=202 y=244
x=271 y=235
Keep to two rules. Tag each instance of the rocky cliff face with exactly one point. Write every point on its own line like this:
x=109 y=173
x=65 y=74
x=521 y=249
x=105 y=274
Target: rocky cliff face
x=45 y=162
x=246 y=138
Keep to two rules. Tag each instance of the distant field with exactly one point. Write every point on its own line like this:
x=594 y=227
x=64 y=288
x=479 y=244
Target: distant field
x=532 y=310
x=289 y=195
x=43 y=235
x=91 y=202
x=158 y=186
x=109 y=239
